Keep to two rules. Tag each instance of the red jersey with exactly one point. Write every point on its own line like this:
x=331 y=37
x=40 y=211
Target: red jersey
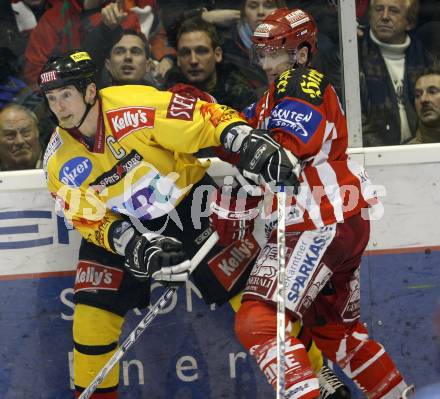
x=304 y=113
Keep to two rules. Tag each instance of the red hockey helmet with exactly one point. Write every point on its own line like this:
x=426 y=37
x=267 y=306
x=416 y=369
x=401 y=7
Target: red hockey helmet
x=286 y=29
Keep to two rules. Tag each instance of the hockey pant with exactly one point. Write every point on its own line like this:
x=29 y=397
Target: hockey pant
x=326 y=257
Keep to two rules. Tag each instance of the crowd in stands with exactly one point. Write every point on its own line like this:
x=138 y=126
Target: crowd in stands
x=207 y=45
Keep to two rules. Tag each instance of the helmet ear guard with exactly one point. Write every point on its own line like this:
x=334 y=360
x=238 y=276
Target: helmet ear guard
x=73 y=68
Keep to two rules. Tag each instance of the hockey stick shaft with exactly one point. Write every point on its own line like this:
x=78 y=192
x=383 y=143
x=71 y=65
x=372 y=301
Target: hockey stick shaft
x=146 y=321
x=281 y=315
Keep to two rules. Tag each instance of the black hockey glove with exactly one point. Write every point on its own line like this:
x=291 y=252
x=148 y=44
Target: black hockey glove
x=263 y=160
x=162 y=258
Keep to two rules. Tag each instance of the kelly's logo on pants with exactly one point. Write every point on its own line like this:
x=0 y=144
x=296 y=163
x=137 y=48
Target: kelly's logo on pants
x=94 y=276
x=233 y=261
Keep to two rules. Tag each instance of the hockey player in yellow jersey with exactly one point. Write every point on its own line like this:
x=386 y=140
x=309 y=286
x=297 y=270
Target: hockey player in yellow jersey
x=119 y=166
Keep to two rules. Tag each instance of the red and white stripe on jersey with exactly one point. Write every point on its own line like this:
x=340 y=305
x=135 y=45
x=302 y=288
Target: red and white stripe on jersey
x=333 y=188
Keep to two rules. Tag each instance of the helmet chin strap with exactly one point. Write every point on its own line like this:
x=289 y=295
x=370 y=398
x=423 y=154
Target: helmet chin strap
x=86 y=112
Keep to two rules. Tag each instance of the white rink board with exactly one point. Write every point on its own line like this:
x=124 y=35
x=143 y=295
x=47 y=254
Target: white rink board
x=411 y=209
x=39 y=241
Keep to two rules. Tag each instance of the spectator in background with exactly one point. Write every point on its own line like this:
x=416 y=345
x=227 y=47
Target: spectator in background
x=390 y=60
x=140 y=15
x=235 y=27
x=62 y=27
x=427 y=104
x=17 y=19
x=428 y=26
x=237 y=48
x=200 y=63
x=129 y=62
x=325 y=13
x=19 y=139
x=14 y=90
x=11 y=87
x=67 y=25
x=222 y=13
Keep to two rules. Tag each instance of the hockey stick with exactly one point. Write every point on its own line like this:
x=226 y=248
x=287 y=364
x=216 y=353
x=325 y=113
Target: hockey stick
x=409 y=392
x=281 y=315
x=146 y=321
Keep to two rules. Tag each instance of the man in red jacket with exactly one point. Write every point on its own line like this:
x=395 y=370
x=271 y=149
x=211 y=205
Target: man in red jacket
x=68 y=24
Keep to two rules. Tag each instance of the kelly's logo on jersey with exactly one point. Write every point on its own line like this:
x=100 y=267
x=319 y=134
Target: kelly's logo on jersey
x=181 y=107
x=117 y=173
x=295 y=117
x=124 y=121
x=75 y=171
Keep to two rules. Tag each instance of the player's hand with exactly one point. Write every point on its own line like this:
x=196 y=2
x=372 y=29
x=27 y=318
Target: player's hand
x=222 y=18
x=233 y=217
x=113 y=14
x=162 y=258
x=162 y=68
x=264 y=161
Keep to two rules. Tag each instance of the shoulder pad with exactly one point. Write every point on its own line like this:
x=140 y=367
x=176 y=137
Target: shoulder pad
x=304 y=83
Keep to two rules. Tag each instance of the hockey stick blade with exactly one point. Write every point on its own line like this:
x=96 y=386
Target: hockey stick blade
x=146 y=321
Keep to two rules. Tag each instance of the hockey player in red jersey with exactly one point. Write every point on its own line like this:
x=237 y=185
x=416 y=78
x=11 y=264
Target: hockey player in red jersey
x=329 y=384
x=302 y=144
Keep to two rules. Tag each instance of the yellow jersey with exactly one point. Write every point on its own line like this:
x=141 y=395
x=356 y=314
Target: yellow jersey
x=140 y=164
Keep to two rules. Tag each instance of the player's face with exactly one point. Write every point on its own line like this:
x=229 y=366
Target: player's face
x=128 y=60
x=68 y=105
x=255 y=11
x=389 y=20
x=19 y=145
x=427 y=100
x=197 y=58
x=274 y=62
